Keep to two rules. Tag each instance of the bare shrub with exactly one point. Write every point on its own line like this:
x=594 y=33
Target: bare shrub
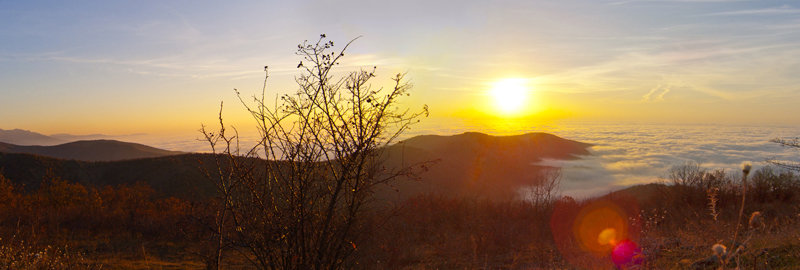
x=791 y=143
x=301 y=206
x=687 y=174
x=771 y=185
x=544 y=191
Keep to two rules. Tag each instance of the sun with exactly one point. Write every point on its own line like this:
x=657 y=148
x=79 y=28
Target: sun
x=510 y=95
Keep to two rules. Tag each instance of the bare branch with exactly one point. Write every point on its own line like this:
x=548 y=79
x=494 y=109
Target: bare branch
x=298 y=206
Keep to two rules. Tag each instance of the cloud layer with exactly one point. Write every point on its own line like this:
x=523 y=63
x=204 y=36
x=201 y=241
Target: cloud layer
x=625 y=155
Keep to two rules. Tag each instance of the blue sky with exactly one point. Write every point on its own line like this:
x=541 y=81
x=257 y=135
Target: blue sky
x=164 y=66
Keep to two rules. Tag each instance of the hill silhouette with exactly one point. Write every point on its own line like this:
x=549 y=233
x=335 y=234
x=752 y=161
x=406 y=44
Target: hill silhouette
x=72 y=137
x=465 y=164
x=26 y=137
x=177 y=175
x=478 y=164
x=94 y=150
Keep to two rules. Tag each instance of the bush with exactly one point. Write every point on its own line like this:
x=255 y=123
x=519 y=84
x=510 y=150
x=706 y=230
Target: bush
x=301 y=206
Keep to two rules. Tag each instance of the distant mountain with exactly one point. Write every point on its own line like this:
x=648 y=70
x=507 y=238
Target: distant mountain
x=26 y=137
x=469 y=164
x=96 y=150
x=72 y=137
x=478 y=164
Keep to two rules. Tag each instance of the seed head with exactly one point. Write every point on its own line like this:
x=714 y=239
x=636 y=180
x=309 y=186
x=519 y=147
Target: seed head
x=746 y=168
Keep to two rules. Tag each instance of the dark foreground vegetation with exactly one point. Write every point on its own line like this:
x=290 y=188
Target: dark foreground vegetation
x=67 y=225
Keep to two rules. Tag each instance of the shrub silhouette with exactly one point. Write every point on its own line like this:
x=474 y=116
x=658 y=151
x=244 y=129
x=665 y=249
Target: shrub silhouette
x=301 y=206
x=791 y=143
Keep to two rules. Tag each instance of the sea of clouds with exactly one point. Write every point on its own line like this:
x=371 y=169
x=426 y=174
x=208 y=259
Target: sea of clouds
x=625 y=154
x=621 y=155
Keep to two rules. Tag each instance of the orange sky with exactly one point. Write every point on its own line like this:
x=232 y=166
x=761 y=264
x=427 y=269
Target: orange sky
x=131 y=67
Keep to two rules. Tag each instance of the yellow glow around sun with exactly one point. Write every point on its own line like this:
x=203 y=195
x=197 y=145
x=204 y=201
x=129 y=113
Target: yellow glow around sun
x=510 y=95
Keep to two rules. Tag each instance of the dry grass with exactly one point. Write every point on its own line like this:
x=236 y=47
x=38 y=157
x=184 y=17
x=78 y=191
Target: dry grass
x=674 y=227
x=16 y=254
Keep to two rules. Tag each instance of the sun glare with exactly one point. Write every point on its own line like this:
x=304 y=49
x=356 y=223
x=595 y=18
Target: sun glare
x=510 y=95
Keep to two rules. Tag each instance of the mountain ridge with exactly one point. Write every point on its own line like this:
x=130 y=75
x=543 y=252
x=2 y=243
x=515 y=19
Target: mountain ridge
x=478 y=164
x=90 y=150
x=471 y=163
x=27 y=137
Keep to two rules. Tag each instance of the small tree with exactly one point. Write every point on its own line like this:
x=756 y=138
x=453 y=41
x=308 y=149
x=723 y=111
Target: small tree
x=544 y=191
x=687 y=174
x=299 y=205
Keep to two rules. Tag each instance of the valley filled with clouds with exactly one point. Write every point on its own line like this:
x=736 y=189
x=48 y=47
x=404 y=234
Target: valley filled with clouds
x=625 y=155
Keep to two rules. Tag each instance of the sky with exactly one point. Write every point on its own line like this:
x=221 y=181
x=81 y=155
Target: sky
x=163 y=67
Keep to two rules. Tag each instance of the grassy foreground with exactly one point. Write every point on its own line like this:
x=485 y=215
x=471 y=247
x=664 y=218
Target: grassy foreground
x=687 y=222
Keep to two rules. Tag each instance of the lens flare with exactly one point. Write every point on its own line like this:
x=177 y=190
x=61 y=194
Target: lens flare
x=601 y=228
x=598 y=226
x=625 y=253
x=607 y=237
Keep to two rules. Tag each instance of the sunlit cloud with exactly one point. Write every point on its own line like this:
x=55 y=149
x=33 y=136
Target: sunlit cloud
x=625 y=155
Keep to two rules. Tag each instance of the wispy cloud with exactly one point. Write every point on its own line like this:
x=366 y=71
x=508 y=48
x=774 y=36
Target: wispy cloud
x=725 y=68
x=762 y=11
x=186 y=66
x=623 y=2
x=656 y=94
